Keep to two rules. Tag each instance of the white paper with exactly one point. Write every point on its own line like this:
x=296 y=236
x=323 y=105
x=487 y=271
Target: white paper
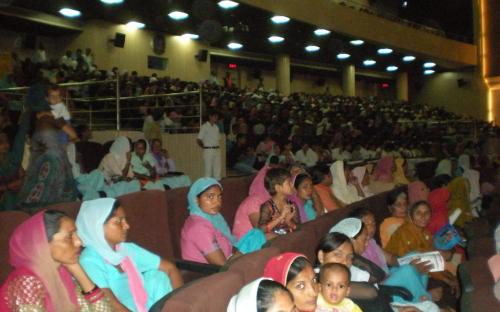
x=454 y=216
x=433 y=257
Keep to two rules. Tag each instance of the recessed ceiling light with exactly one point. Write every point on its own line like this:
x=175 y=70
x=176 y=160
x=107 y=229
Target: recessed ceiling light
x=384 y=51
x=234 y=45
x=178 y=15
x=135 y=25
x=429 y=65
x=343 y=56
x=190 y=36
x=228 y=4
x=321 y=32
x=357 y=42
x=312 y=48
x=69 y=12
x=408 y=58
x=280 y=19
x=391 y=68
x=429 y=71
x=369 y=62
x=276 y=39
x=112 y=1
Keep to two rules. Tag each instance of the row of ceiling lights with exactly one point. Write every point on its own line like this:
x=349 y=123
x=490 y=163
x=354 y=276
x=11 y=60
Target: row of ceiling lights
x=275 y=39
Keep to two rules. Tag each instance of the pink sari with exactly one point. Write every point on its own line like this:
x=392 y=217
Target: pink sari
x=30 y=255
x=383 y=170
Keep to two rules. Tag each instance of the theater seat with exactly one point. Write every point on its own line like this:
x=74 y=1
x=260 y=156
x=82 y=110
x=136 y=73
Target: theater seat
x=9 y=220
x=210 y=294
x=70 y=209
x=235 y=191
x=177 y=214
x=303 y=242
x=251 y=266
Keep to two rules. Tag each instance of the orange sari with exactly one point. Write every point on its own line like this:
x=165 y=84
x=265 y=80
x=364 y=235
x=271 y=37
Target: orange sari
x=388 y=227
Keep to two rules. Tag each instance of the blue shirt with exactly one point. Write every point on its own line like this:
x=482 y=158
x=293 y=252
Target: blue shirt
x=105 y=275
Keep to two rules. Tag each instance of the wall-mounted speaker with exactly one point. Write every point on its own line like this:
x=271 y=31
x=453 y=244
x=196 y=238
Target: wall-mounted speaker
x=202 y=55
x=462 y=83
x=119 y=40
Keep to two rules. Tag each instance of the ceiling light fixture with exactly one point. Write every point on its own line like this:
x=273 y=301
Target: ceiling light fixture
x=190 y=36
x=408 y=58
x=369 y=62
x=312 y=48
x=275 y=39
x=135 y=25
x=112 y=1
x=429 y=65
x=280 y=19
x=429 y=71
x=178 y=15
x=227 y=4
x=69 y=12
x=357 y=42
x=391 y=68
x=343 y=56
x=234 y=45
x=384 y=51
x=321 y=32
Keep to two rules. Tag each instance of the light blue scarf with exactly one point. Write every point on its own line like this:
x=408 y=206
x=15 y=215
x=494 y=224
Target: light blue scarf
x=217 y=220
x=90 y=224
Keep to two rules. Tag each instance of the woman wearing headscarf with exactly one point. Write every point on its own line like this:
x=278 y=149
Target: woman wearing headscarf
x=117 y=169
x=49 y=178
x=143 y=167
x=417 y=191
x=472 y=177
x=47 y=277
x=382 y=178
x=361 y=174
x=438 y=199
x=133 y=278
x=263 y=294
x=459 y=199
x=306 y=199
x=399 y=174
x=397 y=204
x=344 y=188
x=444 y=167
x=296 y=273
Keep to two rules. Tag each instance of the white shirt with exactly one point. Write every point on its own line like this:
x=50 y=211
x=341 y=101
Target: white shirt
x=310 y=158
x=59 y=110
x=209 y=135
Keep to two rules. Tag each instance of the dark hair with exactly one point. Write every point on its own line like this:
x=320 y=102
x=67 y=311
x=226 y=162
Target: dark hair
x=275 y=176
x=266 y=292
x=439 y=181
x=141 y=141
x=334 y=267
x=53 y=87
x=361 y=212
x=297 y=266
x=318 y=173
x=393 y=195
x=331 y=242
x=52 y=222
x=360 y=230
x=415 y=206
x=274 y=160
x=80 y=129
x=155 y=140
x=116 y=205
x=300 y=178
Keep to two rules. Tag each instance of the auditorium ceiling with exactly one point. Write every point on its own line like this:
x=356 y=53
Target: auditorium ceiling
x=243 y=24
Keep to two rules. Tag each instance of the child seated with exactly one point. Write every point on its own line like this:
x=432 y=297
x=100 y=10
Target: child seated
x=278 y=215
x=334 y=287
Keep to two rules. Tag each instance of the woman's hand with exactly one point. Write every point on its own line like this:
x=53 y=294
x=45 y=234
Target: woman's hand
x=76 y=270
x=422 y=267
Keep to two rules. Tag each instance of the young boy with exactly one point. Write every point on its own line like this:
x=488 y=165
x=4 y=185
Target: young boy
x=59 y=110
x=278 y=215
x=334 y=287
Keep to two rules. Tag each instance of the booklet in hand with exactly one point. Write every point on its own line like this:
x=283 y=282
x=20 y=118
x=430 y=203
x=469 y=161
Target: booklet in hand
x=433 y=257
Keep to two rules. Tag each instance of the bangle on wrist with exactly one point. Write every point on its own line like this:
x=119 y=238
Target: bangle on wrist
x=86 y=293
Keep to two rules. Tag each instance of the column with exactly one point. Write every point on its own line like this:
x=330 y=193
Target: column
x=349 y=80
x=402 y=86
x=283 y=74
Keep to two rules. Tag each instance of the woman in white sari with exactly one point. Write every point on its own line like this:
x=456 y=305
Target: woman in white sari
x=345 y=188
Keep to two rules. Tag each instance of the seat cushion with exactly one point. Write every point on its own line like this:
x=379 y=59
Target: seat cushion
x=177 y=214
x=9 y=220
x=251 y=266
x=235 y=191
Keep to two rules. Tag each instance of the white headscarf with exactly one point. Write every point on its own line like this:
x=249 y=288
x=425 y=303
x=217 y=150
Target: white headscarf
x=359 y=173
x=246 y=299
x=346 y=193
x=350 y=227
x=471 y=175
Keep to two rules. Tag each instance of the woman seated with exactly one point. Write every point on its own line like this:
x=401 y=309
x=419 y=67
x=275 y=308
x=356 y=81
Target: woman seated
x=278 y=216
x=400 y=173
x=132 y=277
x=345 y=187
x=382 y=178
x=165 y=167
x=459 y=199
x=296 y=273
x=417 y=191
x=397 y=203
x=306 y=198
x=363 y=177
x=205 y=235
x=322 y=180
x=438 y=199
x=413 y=236
x=47 y=276
x=143 y=167
x=262 y=295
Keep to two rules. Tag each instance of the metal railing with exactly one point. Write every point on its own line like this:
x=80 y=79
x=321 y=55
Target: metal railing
x=96 y=110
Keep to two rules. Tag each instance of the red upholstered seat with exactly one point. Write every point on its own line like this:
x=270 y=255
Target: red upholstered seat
x=177 y=214
x=251 y=266
x=235 y=191
x=9 y=220
x=70 y=209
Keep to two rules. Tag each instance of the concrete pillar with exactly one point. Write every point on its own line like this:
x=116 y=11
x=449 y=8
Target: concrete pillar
x=349 y=80
x=283 y=74
x=402 y=86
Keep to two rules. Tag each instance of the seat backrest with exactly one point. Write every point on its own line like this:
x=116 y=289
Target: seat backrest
x=251 y=266
x=147 y=215
x=235 y=191
x=177 y=213
x=303 y=242
x=70 y=208
x=9 y=220
x=209 y=294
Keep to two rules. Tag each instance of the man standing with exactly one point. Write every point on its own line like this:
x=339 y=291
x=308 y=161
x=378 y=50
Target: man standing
x=208 y=139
